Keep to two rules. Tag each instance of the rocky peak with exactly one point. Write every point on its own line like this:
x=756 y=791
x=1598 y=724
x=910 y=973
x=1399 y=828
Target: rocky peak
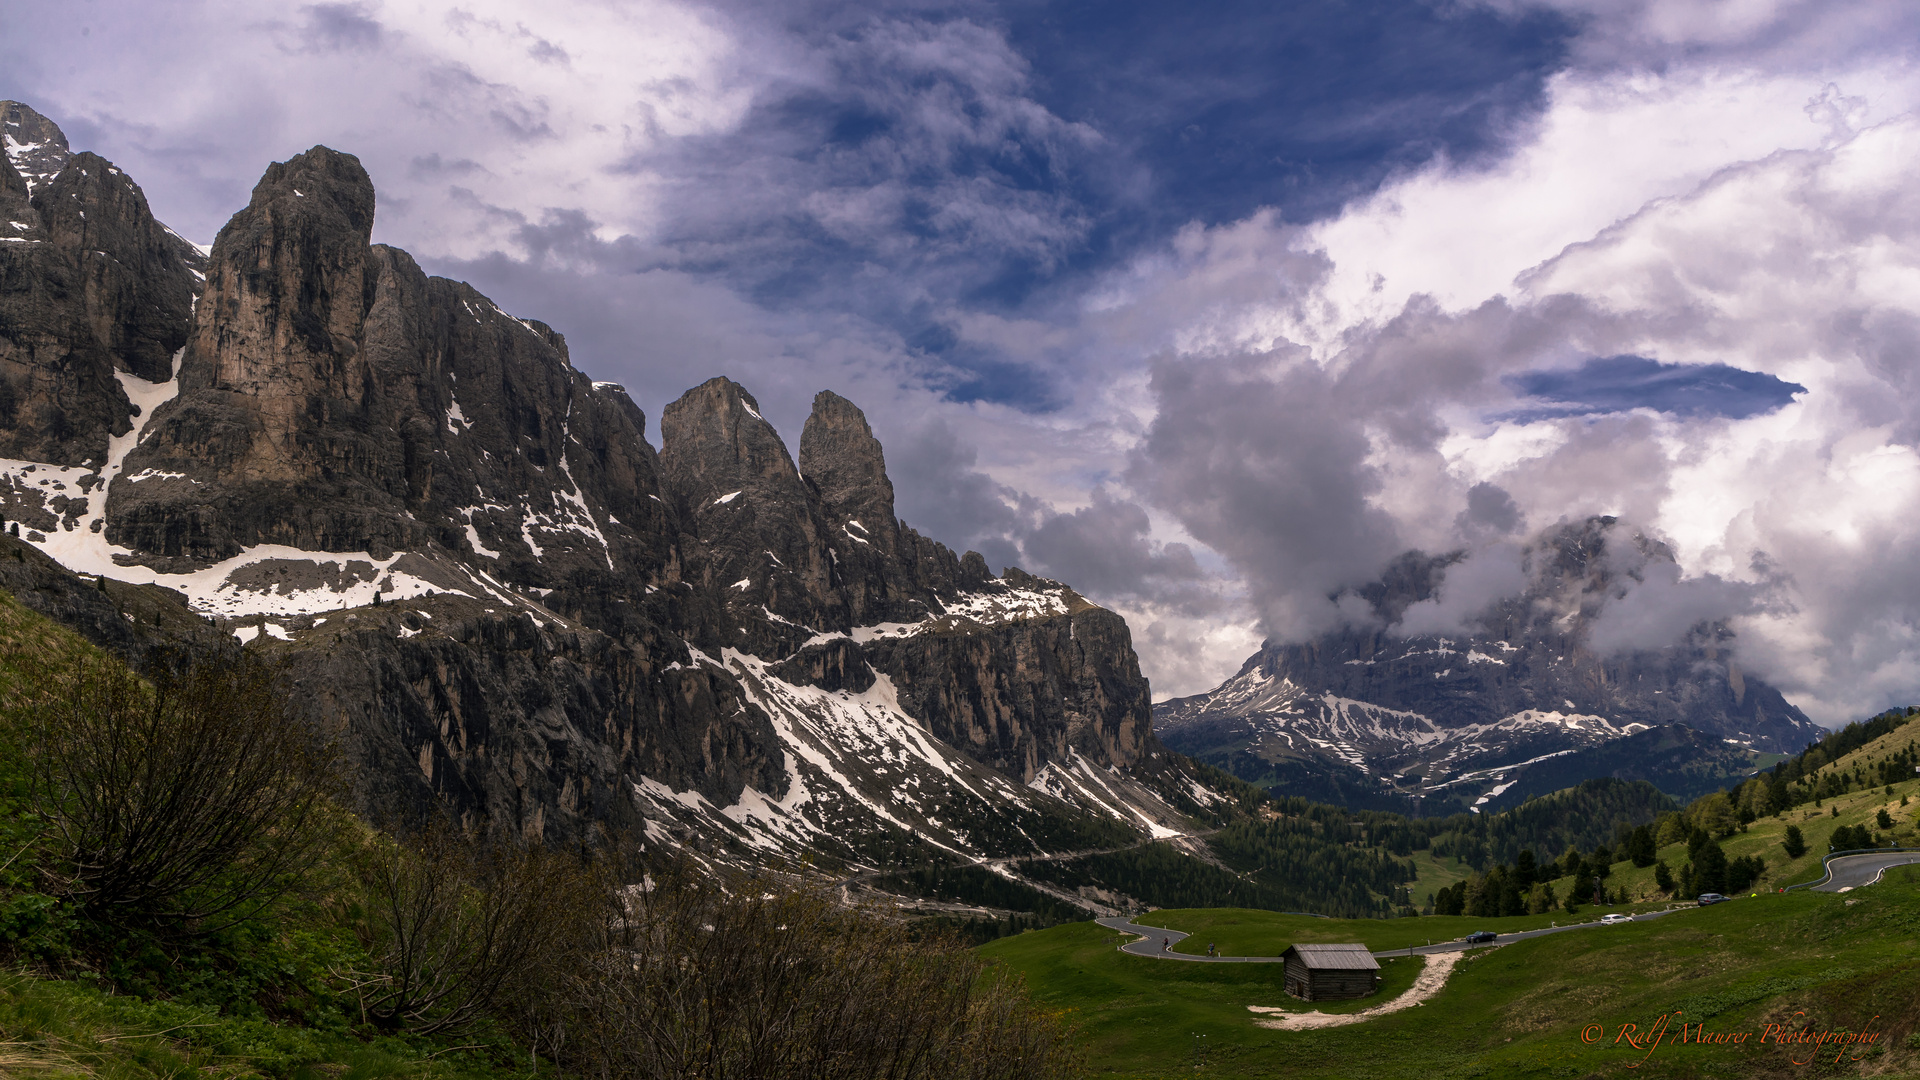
x=95 y=288
x=138 y=303
x=1407 y=580
x=713 y=441
x=35 y=145
x=288 y=286
x=840 y=455
x=336 y=398
x=1590 y=555
x=322 y=188
x=760 y=532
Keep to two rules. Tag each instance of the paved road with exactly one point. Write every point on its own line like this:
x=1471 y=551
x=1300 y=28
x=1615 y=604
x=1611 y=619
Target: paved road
x=1157 y=941
x=1153 y=937
x=1847 y=872
x=1853 y=871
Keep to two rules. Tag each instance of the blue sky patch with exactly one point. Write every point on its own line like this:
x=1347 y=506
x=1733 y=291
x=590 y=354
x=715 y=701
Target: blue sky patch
x=1610 y=384
x=924 y=177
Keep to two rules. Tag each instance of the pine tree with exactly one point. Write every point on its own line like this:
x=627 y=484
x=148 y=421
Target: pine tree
x=1710 y=868
x=1640 y=847
x=1795 y=843
x=1525 y=872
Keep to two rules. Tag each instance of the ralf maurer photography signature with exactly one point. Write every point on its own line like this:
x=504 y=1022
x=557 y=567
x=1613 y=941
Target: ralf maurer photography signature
x=1807 y=1040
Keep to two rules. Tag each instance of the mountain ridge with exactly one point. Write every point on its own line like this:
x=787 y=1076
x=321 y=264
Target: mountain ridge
x=473 y=563
x=1433 y=722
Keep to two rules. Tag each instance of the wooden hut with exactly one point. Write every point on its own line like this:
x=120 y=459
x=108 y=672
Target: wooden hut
x=1330 y=972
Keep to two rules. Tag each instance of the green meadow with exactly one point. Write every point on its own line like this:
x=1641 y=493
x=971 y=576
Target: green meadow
x=1800 y=960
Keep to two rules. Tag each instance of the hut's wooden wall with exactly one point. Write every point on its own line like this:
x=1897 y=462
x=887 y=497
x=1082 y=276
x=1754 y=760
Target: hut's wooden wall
x=1322 y=984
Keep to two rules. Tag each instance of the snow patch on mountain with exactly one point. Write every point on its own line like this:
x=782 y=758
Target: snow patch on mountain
x=1086 y=784
x=266 y=579
x=859 y=761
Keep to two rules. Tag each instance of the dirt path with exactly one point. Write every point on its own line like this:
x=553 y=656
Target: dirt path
x=1432 y=978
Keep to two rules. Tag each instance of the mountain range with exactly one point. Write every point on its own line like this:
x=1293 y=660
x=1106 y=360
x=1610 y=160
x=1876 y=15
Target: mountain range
x=472 y=563
x=1430 y=723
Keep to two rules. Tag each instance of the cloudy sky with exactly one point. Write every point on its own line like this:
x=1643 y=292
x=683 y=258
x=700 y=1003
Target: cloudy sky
x=1208 y=309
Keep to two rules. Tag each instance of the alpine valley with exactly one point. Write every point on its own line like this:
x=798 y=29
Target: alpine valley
x=476 y=568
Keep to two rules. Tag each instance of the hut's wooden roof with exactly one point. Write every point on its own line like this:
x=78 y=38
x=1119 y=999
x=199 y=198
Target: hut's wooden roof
x=1350 y=957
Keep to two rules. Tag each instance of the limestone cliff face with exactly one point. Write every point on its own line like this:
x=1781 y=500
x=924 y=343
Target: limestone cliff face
x=759 y=536
x=90 y=285
x=888 y=572
x=478 y=569
x=336 y=398
x=1017 y=671
x=1029 y=692
x=521 y=727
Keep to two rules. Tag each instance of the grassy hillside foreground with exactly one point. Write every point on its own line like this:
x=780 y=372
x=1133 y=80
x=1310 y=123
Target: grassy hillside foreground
x=83 y=1001
x=1544 y=1007
x=181 y=897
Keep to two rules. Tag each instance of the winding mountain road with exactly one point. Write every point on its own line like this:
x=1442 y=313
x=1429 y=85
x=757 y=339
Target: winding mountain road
x=1158 y=941
x=1854 y=871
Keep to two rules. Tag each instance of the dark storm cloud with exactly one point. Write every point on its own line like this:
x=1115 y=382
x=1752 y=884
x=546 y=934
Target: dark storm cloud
x=1105 y=550
x=1621 y=383
x=901 y=175
x=939 y=491
x=1658 y=605
x=1490 y=511
x=1261 y=461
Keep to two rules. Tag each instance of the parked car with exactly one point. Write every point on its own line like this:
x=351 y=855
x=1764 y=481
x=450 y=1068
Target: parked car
x=1711 y=898
x=1481 y=937
x=1615 y=918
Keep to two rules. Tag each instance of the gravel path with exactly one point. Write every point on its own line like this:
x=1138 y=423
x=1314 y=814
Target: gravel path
x=1432 y=978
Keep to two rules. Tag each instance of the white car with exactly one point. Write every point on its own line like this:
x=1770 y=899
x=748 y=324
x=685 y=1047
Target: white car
x=1615 y=918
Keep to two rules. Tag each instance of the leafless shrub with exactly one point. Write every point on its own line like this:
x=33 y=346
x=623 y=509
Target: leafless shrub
x=188 y=801
x=768 y=982
x=450 y=925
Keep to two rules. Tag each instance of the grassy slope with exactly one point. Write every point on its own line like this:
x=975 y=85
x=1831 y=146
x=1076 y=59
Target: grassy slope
x=1435 y=873
x=1517 y=1010
x=1763 y=837
x=1840 y=962
x=35 y=653
x=54 y=1027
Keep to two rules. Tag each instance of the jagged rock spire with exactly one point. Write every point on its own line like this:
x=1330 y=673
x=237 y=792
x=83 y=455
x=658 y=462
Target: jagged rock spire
x=840 y=455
